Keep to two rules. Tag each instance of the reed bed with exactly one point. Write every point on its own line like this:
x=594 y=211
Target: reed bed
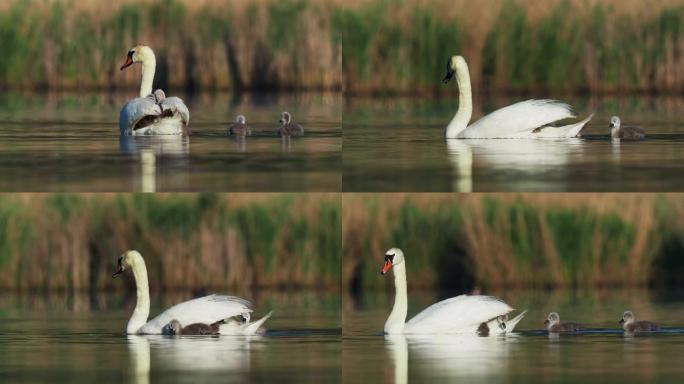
x=514 y=45
x=189 y=241
x=208 y=44
x=515 y=240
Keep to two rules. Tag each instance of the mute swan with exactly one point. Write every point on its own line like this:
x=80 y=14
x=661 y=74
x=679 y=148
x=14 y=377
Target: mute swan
x=525 y=119
x=151 y=113
x=629 y=324
x=460 y=314
x=208 y=309
x=625 y=133
x=239 y=128
x=288 y=127
x=553 y=324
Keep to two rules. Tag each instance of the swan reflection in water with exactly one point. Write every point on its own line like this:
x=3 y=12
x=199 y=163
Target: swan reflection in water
x=188 y=353
x=449 y=356
x=149 y=148
x=516 y=155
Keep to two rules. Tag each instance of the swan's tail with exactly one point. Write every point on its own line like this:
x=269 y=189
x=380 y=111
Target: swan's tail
x=248 y=328
x=510 y=325
x=566 y=131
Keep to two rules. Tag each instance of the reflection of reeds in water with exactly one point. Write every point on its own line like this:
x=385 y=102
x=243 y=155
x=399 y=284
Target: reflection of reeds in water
x=189 y=241
x=199 y=44
x=515 y=240
x=514 y=44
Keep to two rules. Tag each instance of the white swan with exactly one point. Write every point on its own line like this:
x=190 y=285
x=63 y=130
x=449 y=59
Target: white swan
x=484 y=315
x=208 y=309
x=530 y=118
x=151 y=113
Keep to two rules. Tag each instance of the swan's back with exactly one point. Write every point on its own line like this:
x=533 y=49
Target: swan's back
x=518 y=120
x=136 y=110
x=458 y=314
x=207 y=310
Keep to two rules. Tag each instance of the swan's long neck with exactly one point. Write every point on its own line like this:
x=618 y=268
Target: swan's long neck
x=148 y=67
x=395 y=321
x=465 y=101
x=142 y=306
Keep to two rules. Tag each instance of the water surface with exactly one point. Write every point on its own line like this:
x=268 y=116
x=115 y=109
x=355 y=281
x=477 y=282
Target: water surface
x=71 y=142
x=397 y=144
x=73 y=339
x=603 y=354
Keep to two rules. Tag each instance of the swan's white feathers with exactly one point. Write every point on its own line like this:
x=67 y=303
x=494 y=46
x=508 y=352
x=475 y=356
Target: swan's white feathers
x=207 y=310
x=176 y=105
x=460 y=314
x=518 y=120
x=134 y=110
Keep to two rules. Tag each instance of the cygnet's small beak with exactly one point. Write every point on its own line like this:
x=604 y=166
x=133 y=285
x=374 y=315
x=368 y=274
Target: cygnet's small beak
x=386 y=267
x=622 y=321
x=129 y=61
x=546 y=322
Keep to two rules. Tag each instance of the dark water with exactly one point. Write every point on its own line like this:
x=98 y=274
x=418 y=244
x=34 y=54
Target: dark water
x=602 y=354
x=397 y=144
x=60 y=339
x=71 y=142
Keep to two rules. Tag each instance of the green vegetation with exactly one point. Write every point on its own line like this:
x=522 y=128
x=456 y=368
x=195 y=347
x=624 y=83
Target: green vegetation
x=189 y=241
x=516 y=240
x=212 y=45
x=513 y=45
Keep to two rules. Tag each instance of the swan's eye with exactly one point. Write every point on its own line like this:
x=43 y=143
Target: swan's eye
x=130 y=54
x=389 y=258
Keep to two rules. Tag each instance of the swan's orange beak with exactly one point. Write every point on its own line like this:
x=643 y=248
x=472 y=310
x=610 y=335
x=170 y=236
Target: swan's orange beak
x=386 y=267
x=129 y=61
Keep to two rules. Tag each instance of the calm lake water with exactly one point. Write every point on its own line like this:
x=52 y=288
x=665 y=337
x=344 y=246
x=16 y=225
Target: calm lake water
x=397 y=144
x=603 y=355
x=71 y=142
x=67 y=339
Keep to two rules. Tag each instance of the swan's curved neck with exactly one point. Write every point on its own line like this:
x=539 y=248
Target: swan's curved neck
x=465 y=102
x=142 y=306
x=395 y=321
x=148 y=67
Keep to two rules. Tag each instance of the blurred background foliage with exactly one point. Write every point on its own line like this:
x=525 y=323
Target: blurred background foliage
x=189 y=241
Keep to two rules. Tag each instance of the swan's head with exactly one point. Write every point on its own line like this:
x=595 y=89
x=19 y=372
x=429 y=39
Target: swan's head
x=393 y=257
x=627 y=317
x=453 y=63
x=552 y=319
x=240 y=119
x=172 y=328
x=138 y=54
x=127 y=259
x=285 y=118
x=614 y=122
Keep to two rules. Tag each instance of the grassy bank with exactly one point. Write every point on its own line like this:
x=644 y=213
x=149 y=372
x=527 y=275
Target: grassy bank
x=193 y=241
x=205 y=44
x=514 y=45
x=528 y=240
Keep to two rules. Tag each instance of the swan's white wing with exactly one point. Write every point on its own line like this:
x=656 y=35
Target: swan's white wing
x=518 y=120
x=460 y=314
x=135 y=110
x=176 y=106
x=207 y=310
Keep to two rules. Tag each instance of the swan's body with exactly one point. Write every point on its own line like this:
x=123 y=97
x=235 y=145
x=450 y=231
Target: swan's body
x=629 y=324
x=239 y=128
x=553 y=324
x=208 y=309
x=526 y=119
x=151 y=114
x=626 y=132
x=484 y=315
x=288 y=127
